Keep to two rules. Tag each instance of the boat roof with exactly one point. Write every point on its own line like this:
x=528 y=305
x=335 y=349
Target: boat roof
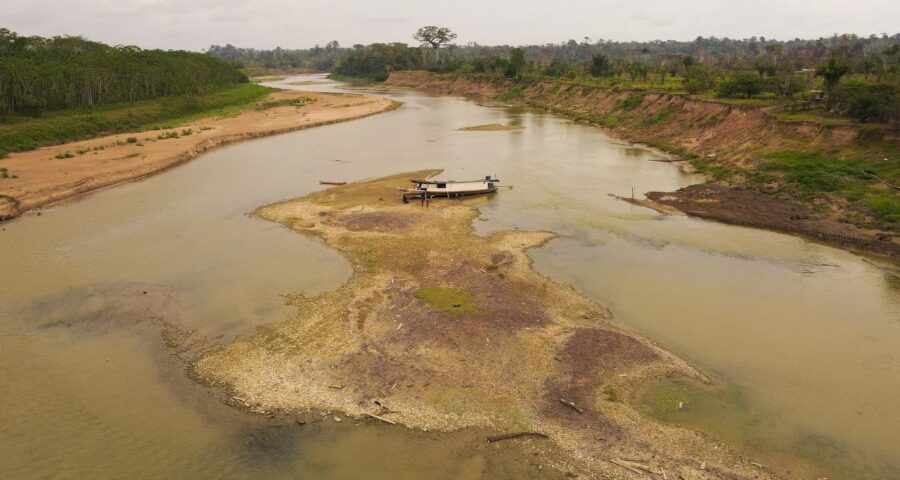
x=434 y=182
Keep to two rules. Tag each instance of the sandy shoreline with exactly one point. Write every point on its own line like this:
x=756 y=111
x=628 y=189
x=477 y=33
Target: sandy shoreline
x=51 y=174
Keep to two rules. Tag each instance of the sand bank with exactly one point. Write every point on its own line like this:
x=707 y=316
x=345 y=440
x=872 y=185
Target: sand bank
x=51 y=174
x=441 y=329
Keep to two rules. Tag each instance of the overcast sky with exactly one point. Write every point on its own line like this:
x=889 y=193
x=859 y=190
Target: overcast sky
x=196 y=24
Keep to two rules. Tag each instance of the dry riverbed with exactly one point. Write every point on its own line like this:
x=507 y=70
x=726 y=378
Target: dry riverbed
x=50 y=174
x=441 y=329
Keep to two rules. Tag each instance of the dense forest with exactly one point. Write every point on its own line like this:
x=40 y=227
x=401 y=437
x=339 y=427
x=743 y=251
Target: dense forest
x=45 y=74
x=860 y=75
x=316 y=59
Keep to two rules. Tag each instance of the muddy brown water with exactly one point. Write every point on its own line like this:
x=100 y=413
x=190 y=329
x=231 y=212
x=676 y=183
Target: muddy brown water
x=804 y=337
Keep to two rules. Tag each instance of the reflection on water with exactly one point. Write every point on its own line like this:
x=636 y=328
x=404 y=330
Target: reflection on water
x=808 y=333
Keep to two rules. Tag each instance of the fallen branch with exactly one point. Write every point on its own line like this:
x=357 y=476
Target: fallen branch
x=376 y=417
x=881 y=180
x=570 y=405
x=626 y=466
x=323 y=182
x=507 y=436
x=640 y=466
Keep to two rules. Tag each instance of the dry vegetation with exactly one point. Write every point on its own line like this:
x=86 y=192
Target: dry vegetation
x=441 y=329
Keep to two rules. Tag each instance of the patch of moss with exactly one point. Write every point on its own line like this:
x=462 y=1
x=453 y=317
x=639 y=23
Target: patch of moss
x=451 y=300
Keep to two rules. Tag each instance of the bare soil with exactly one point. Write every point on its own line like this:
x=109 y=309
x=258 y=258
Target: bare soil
x=503 y=361
x=755 y=209
x=42 y=178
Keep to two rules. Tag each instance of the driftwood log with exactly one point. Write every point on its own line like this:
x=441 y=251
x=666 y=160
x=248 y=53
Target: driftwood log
x=507 y=436
x=570 y=405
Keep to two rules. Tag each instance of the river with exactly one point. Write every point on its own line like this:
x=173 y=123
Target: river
x=805 y=336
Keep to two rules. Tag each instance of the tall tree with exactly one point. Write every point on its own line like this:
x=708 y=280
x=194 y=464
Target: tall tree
x=436 y=37
x=832 y=71
x=517 y=61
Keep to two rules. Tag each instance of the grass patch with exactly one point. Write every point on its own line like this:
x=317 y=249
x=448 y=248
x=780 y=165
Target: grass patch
x=514 y=92
x=448 y=299
x=630 y=103
x=661 y=117
x=885 y=207
x=18 y=134
x=717 y=171
x=286 y=102
x=862 y=183
x=818 y=116
x=611 y=394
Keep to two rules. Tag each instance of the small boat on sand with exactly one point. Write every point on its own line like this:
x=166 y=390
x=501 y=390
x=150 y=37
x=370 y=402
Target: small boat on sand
x=427 y=189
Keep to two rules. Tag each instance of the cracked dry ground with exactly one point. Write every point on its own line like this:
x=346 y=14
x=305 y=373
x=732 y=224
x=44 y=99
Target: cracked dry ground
x=441 y=329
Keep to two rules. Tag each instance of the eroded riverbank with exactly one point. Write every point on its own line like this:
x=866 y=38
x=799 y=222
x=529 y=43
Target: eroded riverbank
x=731 y=142
x=441 y=329
x=51 y=174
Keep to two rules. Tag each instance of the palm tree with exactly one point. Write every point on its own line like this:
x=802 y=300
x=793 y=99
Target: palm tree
x=832 y=71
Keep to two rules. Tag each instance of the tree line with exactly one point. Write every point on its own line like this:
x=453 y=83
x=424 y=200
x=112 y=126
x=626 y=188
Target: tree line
x=40 y=74
x=317 y=58
x=860 y=75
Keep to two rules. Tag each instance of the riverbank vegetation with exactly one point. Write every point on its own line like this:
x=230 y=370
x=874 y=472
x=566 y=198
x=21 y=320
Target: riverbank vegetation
x=843 y=82
x=267 y=62
x=54 y=90
x=21 y=133
x=844 y=75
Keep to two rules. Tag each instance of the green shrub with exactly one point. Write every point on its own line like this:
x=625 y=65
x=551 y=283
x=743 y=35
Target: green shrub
x=699 y=79
x=740 y=85
x=866 y=102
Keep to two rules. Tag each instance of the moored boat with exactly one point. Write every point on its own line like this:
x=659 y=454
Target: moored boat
x=426 y=189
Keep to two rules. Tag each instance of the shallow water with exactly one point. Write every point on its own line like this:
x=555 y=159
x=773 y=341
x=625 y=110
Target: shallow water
x=808 y=334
